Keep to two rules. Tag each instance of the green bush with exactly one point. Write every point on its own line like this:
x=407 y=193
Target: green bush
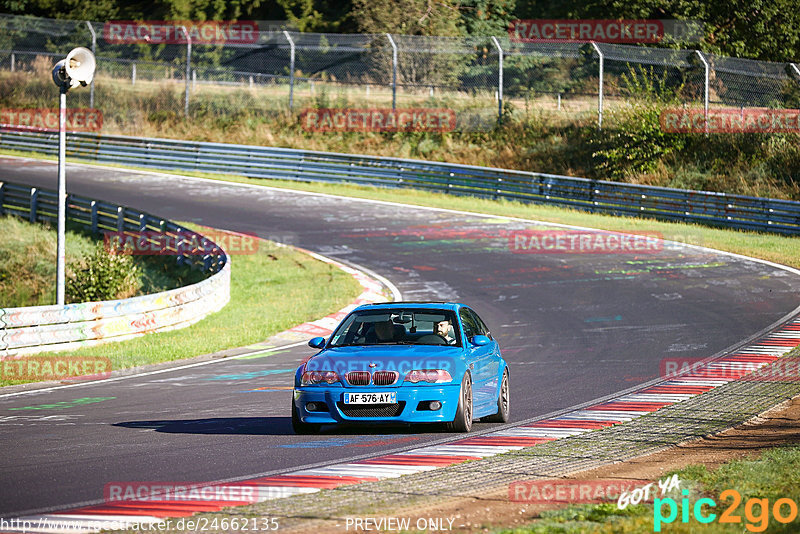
x=102 y=276
x=635 y=144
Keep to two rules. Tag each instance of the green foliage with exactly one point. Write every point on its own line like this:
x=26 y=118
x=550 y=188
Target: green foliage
x=634 y=145
x=102 y=276
x=28 y=261
x=768 y=30
x=487 y=17
x=409 y=17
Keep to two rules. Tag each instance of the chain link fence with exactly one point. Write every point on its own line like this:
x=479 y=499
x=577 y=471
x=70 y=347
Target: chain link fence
x=281 y=71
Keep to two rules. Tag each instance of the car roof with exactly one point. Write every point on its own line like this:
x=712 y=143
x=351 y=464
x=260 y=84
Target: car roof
x=412 y=304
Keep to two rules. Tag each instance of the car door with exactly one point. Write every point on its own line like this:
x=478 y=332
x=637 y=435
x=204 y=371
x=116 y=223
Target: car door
x=493 y=364
x=479 y=361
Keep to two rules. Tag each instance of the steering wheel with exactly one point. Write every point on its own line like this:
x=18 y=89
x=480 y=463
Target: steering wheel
x=432 y=339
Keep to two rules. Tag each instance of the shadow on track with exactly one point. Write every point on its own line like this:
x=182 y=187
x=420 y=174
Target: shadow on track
x=267 y=426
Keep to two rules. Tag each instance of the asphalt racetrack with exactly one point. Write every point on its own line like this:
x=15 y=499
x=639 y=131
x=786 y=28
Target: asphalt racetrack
x=574 y=327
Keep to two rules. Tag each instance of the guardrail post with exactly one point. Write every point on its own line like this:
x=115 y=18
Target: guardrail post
x=120 y=218
x=705 y=86
x=34 y=204
x=600 y=86
x=94 y=46
x=291 y=68
x=188 y=70
x=93 y=206
x=499 y=79
x=142 y=222
x=394 y=70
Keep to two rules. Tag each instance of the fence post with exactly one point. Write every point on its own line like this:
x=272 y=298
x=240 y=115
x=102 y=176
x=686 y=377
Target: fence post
x=394 y=70
x=120 y=218
x=2 y=196
x=499 y=79
x=94 y=46
x=291 y=68
x=34 y=204
x=133 y=73
x=188 y=69
x=94 y=217
x=600 y=87
x=13 y=60
x=794 y=66
x=705 y=87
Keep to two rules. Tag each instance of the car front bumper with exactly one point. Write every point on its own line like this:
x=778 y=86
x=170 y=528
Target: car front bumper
x=405 y=411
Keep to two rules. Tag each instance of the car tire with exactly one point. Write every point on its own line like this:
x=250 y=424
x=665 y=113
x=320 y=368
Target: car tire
x=503 y=402
x=463 y=419
x=300 y=427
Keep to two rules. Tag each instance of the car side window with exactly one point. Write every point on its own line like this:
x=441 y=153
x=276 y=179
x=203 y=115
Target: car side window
x=470 y=327
x=482 y=328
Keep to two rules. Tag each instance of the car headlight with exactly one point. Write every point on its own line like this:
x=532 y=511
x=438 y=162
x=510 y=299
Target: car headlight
x=319 y=377
x=433 y=376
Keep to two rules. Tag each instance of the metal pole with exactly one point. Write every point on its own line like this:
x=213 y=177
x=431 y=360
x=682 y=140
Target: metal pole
x=394 y=70
x=133 y=74
x=13 y=58
x=291 y=68
x=794 y=67
x=705 y=87
x=94 y=46
x=62 y=194
x=188 y=70
x=600 y=87
x=499 y=79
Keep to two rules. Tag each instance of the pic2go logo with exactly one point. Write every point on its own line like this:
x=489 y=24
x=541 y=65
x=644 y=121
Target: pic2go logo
x=756 y=511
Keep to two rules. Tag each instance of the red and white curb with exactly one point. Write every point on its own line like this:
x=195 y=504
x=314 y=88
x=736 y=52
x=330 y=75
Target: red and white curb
x=734 y=366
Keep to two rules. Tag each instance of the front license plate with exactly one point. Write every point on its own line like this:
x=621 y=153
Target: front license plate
x=384 y=397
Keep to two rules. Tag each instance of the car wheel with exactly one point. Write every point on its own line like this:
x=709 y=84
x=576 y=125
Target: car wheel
x=503 y=403
x=463 y=419
x=300 y=427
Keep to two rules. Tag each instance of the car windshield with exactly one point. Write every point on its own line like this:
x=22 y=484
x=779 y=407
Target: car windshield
x=398 y=326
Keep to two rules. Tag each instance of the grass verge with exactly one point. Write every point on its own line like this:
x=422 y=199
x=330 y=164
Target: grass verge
x=772 y=247
x=28 y=267
x=272 y=290
x=773 y=476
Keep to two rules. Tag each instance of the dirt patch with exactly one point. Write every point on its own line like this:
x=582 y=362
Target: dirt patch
x=779 y=426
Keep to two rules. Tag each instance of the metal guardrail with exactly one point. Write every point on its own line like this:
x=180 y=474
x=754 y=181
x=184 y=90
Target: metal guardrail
x=597 y=196
x=29 y=330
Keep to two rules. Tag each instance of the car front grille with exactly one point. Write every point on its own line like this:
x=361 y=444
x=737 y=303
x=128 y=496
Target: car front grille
x=384 y=378
x=372 y=410
x=358 y=378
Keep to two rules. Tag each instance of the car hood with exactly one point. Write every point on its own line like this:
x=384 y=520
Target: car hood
x=401 y=358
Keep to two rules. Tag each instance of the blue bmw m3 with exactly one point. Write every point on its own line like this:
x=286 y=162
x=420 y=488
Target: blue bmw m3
x=403 y=362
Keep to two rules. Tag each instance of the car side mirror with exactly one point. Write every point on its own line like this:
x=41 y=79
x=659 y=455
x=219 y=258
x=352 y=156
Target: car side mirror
x=480 y=340
x=316 y=343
